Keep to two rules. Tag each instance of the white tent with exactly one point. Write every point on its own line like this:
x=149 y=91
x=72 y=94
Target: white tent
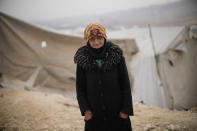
x=177 y=69
x=147 y=85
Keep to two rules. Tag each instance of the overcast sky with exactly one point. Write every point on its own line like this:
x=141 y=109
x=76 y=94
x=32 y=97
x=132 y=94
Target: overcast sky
x=50 y=9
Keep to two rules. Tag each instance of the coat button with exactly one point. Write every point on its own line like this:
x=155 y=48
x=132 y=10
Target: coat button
x=103 y=107
x=105 y=118
x=99 y=81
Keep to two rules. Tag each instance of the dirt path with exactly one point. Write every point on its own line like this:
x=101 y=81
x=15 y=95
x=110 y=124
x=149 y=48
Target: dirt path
x=37 y=111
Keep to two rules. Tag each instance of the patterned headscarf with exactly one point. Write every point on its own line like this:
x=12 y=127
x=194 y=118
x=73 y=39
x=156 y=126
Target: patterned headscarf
x=94 y=29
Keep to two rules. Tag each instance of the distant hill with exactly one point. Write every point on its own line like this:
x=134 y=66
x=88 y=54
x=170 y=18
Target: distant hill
x=174 y=13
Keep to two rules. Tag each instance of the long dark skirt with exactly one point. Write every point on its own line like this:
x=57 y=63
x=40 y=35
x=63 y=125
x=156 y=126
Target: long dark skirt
x=108 y=124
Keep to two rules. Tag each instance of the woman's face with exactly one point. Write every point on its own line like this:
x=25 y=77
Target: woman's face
x=96 y=42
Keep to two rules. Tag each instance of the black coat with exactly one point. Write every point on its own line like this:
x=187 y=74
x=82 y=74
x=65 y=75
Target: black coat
x=105 y=91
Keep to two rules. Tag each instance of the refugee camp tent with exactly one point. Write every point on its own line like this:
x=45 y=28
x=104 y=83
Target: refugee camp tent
x=36 y=57
x=177 y=70
x=148 y=87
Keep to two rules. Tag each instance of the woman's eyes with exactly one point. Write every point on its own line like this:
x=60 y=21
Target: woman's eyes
x=99 y=37
x=94 y=38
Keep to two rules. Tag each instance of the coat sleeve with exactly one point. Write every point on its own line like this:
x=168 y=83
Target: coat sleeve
x=125 y=86
x=81 y=90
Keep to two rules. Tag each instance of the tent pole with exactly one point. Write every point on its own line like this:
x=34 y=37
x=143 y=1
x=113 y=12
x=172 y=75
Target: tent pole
x=152 y=41
x=154 y=51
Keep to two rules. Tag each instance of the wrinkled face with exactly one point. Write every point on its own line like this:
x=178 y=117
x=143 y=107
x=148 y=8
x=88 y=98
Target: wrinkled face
x=96 y=42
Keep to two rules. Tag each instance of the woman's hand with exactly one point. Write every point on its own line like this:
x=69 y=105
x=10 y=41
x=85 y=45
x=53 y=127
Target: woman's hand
x=88 y=115
x=123 y=115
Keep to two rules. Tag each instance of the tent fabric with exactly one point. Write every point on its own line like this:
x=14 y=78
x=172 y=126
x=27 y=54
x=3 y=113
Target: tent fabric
x=147 y=85
x=39 y=57
x=177 y=70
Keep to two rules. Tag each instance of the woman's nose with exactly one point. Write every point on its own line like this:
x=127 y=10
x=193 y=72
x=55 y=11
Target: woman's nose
x=96 y=41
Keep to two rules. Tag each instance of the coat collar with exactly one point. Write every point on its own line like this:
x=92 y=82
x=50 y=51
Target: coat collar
x=112 y=56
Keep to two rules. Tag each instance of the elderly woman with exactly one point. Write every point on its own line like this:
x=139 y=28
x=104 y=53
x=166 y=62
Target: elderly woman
x=102 y=83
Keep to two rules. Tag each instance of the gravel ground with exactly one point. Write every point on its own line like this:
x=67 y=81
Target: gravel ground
x=22 y=110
